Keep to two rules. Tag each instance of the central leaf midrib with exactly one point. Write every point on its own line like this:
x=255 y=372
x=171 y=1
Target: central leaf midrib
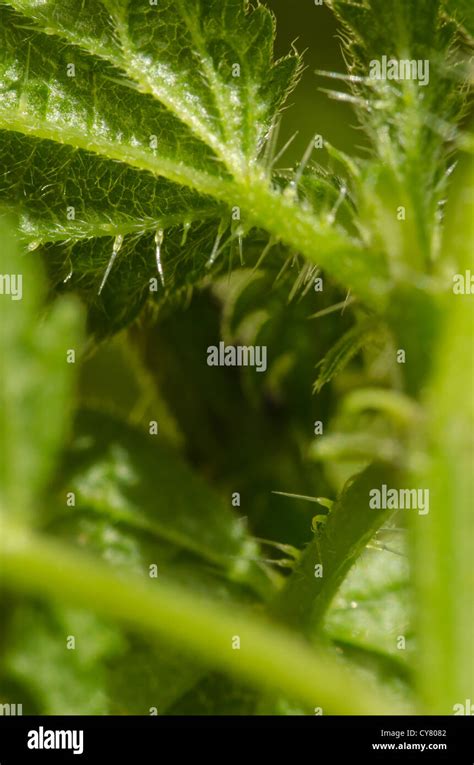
x=210 y=73
x=95 y=230
x=129 y=155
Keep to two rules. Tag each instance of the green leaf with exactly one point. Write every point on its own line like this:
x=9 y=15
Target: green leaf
x=373 y=606
x=78 y=207
x=348 y=346
x=67 y=196
x=463 y=12
x=183 y=54
x=325 y=562
x=133 y=280
x=92 y=107
x=131 y=478
x=371 y=424
x=193 y=103
x=156 y=124
x=133 y=398
x=150 y=675
x=115 y=671
x=408 y=123
x=59 y=680
x=37 y=380
x=106 y=671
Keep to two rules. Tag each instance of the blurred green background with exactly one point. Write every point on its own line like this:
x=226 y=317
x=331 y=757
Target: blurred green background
x=314 y=31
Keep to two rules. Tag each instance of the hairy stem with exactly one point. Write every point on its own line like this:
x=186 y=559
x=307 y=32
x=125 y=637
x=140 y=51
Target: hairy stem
x=350 y=525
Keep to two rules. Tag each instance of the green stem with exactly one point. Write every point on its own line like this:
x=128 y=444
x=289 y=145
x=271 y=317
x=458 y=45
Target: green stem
x=280 y=214
x=269 y=657
x=443 y=540
x=350 y=526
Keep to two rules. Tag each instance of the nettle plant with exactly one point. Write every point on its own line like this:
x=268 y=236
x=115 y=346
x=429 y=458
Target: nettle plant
x=147 y=567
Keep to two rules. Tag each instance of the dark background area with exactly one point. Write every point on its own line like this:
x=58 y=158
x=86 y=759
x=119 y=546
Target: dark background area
x=314 y=31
